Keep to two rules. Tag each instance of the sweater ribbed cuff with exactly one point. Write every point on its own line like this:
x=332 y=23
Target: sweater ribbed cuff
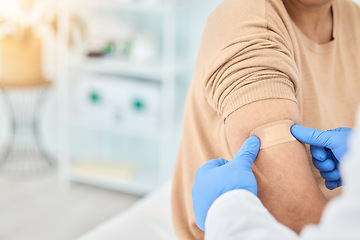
x=278 y=88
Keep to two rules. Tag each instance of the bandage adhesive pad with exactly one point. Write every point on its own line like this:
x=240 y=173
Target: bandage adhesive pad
x=274 y=133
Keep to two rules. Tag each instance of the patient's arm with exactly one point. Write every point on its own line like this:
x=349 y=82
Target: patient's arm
x=286 y=185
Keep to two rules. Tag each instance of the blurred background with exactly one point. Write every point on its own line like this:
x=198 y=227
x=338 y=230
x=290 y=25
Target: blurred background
x=92 y=95
x=92 y=98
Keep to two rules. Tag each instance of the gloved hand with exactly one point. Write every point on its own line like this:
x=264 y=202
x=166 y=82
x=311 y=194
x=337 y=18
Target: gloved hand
x=327 y=149
x=219 y=176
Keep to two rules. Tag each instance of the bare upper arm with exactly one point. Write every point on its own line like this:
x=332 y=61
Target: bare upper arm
x=286 y=185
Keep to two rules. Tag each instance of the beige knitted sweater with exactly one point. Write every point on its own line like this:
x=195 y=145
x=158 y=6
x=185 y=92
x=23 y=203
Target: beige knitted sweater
x=251 y=51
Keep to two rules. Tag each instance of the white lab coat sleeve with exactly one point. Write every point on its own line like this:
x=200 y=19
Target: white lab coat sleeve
x=239 y=214
x=340 y=220
x=341 y=217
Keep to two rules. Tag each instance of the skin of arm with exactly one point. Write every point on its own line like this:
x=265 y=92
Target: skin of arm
x=286 y=185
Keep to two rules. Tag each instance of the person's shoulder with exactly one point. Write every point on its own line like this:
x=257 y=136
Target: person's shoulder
x=348 y=3
x=241 y=12
x=240 y=7
x=348 y=8
x=348 y=20
x=244 y=8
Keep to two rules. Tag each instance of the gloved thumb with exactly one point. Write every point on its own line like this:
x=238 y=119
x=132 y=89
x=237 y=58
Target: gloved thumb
x=313 y=137
x=247 y=153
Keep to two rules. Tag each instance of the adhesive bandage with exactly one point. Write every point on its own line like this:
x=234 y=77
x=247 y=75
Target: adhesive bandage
x=274 y=133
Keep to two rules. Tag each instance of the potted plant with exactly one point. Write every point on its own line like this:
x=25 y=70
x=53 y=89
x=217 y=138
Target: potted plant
x=21 y=22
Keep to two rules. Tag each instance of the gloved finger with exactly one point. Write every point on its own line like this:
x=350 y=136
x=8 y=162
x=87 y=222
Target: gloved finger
x=319 y=153
x=312 y=136
x=247 y=153
x=213 y=163
x=331 y=176
x=330 y=154
x=333 y=184
x=340 y=129
x=324 y=166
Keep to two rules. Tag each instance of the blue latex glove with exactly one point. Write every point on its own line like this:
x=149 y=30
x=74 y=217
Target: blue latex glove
x=327 y=149
x=219 y=176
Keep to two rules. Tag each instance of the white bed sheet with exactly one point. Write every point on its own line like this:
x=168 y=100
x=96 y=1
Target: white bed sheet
x=149 y=218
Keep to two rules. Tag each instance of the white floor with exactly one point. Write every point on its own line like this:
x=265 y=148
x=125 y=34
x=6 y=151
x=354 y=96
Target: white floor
x=39 y=210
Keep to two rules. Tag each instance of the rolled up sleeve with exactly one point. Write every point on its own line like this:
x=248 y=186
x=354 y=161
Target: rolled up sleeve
x=249 y=61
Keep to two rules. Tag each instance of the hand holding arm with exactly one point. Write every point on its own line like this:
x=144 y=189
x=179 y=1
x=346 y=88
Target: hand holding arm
x=219 y=176
x=327 y=150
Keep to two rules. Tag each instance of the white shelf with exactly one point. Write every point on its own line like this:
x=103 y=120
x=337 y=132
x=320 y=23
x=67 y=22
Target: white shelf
x=79 y=121
x=136 y=7
x=138 y=187
x=125 y=178
x=151 y=71
x=141 y=180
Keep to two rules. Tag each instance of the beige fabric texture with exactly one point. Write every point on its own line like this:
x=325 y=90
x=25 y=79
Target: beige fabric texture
x=251 y=51
x=274 y=133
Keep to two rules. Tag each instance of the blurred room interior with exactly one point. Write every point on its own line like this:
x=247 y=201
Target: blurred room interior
x=92 y=96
